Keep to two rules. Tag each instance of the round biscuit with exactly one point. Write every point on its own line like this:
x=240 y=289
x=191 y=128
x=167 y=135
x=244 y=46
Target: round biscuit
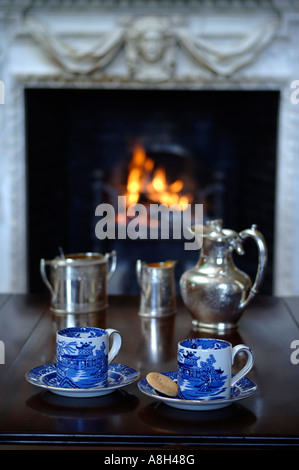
x=162 y=384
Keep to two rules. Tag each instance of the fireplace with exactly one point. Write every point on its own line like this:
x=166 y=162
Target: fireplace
x=208 y=51
x=84 y=148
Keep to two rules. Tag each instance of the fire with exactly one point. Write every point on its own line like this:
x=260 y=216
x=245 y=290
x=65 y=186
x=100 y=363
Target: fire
x=143 y=179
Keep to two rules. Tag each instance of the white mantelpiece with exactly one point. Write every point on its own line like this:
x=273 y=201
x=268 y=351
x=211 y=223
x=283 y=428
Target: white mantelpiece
x=193 y=44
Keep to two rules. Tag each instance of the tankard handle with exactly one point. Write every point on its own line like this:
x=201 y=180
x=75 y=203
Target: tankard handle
x=112 y=268
x=139 y=270
x=262 y=261
x=43 y=264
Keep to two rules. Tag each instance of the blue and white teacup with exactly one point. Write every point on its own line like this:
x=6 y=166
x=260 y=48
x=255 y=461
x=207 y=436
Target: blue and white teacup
x=83 y=356
x=205 y=368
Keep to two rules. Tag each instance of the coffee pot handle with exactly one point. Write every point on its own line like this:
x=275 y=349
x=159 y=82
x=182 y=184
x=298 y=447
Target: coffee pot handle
x=262 y=261
x=43 y=264
x=112 y=268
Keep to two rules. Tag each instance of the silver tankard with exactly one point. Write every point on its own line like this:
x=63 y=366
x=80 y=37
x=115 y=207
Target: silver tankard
x=78 y=282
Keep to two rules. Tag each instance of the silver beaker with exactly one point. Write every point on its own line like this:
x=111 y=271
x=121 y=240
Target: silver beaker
x=156 y=281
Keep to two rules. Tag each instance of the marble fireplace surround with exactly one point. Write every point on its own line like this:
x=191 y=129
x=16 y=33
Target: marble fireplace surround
x=178 y=44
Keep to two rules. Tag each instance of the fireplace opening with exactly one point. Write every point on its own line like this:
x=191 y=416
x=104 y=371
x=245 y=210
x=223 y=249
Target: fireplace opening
x=88 y=146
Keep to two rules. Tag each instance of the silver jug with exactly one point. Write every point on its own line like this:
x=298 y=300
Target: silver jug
x=215 y=291
x=78 y=281
x=156 y=281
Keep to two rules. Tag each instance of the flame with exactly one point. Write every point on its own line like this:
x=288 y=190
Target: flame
x=159 y=181
x=143 y=179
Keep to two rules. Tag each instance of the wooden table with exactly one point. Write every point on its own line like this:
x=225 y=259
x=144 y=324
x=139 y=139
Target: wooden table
x=31 y=417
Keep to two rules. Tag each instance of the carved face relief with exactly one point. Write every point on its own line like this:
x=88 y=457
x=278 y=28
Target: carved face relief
x=150 y=34
x=151 y=45
x=150 y=48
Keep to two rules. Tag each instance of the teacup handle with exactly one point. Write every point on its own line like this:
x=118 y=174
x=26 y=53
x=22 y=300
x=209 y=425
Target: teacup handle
x=248 y=365
x=116 y=344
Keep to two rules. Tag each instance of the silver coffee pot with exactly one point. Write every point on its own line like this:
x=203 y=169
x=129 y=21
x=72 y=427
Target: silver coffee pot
x=215 y=291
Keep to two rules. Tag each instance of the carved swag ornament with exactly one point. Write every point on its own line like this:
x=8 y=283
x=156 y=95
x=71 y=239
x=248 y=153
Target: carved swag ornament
x=222 y=45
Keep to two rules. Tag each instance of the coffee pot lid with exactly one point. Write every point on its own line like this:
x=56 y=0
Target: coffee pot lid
x=214 y=230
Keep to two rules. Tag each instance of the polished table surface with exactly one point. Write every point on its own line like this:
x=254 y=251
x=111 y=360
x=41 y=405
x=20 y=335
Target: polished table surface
x=127 y=419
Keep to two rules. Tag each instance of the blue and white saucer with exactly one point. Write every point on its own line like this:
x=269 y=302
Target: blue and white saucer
x=118 y=376
x=243 y=389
